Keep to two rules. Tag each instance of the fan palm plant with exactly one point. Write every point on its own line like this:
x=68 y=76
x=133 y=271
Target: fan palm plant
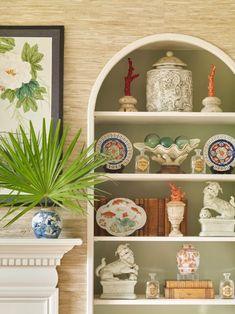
x=38 y=169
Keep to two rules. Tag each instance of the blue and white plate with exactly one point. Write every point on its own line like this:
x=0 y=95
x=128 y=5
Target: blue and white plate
x=219 y=152
x=118 y=147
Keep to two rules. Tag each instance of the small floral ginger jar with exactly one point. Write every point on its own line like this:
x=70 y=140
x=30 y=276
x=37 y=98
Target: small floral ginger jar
x=188 y=259
x=169 y=85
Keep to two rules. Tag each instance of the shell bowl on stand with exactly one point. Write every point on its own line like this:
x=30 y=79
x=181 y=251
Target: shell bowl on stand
x=169 y=156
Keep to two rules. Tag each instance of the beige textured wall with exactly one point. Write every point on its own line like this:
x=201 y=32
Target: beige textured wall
x=94 y=31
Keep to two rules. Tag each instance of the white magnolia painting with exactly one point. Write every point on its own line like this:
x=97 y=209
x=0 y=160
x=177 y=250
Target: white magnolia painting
x=25 y=81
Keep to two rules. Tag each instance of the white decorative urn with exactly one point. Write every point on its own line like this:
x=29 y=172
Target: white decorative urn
x=175 y=211
x=169 y=85
x=188 y=259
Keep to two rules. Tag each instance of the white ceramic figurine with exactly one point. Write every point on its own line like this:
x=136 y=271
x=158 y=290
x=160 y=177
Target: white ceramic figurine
x=113 y=281
x=124 y=265
x=223 y=224
x=212 y=201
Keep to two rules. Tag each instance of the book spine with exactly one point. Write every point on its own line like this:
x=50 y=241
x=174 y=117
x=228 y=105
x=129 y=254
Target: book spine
x=161 y=217
x=189 y=284
x=188 y=293
x=167 y=222
x=153 y=217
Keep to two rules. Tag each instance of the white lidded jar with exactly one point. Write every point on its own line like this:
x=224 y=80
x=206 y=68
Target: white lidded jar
x=169 y=85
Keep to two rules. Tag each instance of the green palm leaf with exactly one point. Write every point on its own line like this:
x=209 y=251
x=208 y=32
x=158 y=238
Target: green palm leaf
x=37 y=168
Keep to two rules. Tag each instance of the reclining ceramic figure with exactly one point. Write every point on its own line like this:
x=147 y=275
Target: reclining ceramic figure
x=211 y=201
x=124 y=265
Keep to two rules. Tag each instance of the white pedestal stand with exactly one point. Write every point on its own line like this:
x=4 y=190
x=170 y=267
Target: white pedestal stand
x=128 y=104
x=211 y=104
x=120 y=289
x=217 y=227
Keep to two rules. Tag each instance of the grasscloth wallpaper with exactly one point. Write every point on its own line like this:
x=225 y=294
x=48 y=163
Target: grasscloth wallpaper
x=94 y=31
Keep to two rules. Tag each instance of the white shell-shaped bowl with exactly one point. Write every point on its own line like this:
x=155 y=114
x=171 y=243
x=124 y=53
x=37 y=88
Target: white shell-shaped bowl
x=172 y=155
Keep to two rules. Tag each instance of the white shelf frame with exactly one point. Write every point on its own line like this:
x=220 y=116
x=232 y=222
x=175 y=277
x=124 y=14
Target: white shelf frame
x=164 y=239
x=141 y=300
x=171 y=177
x=218 y=118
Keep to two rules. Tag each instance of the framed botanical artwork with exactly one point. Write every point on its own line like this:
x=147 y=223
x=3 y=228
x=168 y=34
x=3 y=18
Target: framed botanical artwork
x=31 y=75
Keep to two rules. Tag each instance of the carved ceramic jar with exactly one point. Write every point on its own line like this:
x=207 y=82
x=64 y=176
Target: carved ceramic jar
x=188 y=259
x=169 y=85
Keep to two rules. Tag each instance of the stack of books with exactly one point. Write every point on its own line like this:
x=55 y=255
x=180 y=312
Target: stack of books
x=157 y=223
x=189 y=289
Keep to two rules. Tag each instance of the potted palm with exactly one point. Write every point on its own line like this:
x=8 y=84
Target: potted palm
x=38 y=169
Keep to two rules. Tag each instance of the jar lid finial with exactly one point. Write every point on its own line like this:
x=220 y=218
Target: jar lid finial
x=169 y=60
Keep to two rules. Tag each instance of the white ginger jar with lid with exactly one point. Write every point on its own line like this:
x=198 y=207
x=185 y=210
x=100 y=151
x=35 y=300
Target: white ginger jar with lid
x=169 y=85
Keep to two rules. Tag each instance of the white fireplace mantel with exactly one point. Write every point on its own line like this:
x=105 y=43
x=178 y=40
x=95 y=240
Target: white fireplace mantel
x=28 y=275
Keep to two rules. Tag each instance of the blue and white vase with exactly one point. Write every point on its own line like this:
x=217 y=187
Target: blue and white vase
x=46 y=224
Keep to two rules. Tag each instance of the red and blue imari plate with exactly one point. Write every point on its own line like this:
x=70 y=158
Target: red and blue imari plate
x=118 y=147
x=219 y=152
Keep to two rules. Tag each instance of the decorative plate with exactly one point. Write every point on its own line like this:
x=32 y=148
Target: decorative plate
x=118 y=147
x=219 y=152
x=121 y=217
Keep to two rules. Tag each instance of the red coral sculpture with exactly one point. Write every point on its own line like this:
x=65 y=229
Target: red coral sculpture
x=129 y=78
x=211 y=82
x=176 y=193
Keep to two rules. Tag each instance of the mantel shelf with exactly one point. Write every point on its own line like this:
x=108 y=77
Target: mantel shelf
x=141 y=300
x=164 y=239
x=171 y=177
x=34 y=252
x=221 y=118
x=28 y=272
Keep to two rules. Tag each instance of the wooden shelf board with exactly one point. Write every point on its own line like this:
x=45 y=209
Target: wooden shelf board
x=165 y=117
x=141 y=300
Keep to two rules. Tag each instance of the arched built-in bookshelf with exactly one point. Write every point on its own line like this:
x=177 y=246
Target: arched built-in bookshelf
x=158 y=253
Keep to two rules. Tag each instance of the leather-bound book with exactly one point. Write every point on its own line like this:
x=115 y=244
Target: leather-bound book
x=189 y=284
x=161 y=217
x=152 y=217
x=189 y=293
